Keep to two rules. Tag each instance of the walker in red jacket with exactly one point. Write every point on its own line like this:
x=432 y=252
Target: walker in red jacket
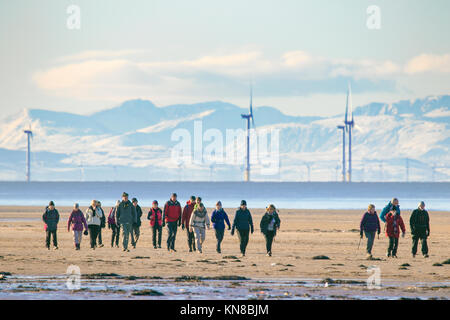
x=394 y=223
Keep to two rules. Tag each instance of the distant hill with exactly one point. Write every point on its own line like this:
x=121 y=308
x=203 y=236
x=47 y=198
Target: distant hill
x=133 y=142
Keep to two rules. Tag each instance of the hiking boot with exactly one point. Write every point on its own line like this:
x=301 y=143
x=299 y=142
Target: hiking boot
x=48 y=248
x=100 y=245
x=200 y=251
x=174 y=250
x=388 y=255
x=394 y=256
x=414 y=255
x=369 y=256
x=159 y=247
x=190 y=249
x=426 y=256
x=155 y=247
x=55 y=248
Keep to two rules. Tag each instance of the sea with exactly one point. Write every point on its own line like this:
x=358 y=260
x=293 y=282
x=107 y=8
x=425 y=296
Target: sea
x=284 y=195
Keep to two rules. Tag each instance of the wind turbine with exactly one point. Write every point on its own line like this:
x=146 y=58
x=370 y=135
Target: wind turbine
x=349 y=124
x=29 y=134
x=248 y=117
x=343 y=151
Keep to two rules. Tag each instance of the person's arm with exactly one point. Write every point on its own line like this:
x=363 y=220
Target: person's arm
x=250 y=221
x=134 y=214
x=412 y=221
x=208 y=223
x=191 y=221
x=261 y=223
x=164 y=215
x=402 y=226
x=179 y=215
x=278 y=221
x=69 y=221
x=213 y=216
x=361 y=225
x=118 y=215
x=378 y=227
x=84 y=222
x=383 y=213
x=227 y=220
x=183 y=217
x=428 y=223
x=57 y=216
x=234 y=223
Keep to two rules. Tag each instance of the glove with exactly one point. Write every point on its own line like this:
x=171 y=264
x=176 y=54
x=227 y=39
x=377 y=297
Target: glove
x=232 y=232
x=182 y=227
x=85 y=232
x=252 y=231
x=164 y=224
x=229 y=228
x=403 y=235
x=361 y=235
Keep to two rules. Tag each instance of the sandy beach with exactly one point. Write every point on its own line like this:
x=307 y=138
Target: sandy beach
x=304 y=234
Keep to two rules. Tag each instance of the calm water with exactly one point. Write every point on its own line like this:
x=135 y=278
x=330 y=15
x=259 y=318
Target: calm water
x=287 y=195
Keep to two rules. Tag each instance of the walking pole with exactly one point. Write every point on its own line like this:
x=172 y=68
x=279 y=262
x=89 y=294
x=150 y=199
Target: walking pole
x=360 y=238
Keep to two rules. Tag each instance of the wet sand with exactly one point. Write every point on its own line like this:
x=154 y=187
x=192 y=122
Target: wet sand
x=304 y=234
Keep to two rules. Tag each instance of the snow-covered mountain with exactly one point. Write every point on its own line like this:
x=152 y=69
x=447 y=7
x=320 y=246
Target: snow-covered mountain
x=134 y=141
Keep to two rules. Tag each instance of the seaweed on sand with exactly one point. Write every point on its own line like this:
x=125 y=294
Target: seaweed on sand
x=147 y=292
x=321 y=257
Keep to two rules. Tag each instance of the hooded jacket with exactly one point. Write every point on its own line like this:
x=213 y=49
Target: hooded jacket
x=51 y=219
x=420 y=222
x=93 y=216
x=394 y=223
x=187 y=212
x=138 y=215
x=126 y=213
x=242 y=220
x=370 y=223
x=388 y=208
x=218 y=218
x=199 y=218
x=77 y=221
x=172 y=211
x=266 y=219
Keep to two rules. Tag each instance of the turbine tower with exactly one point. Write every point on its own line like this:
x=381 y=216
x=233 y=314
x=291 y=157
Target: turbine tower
x=343 y=151
x=349 y=124
x=248 y=117
x=29 y=134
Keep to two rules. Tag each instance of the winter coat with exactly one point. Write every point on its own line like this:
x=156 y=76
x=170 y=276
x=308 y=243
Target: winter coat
x=393 y=225
x=388 y=208
x=126 y=213
x=199 y=219
x=51 y=219
x=187 y=212
x=112 y=217
x=155 y=215
x=102 y=218
x=218 y=218
x=93 y=216
x=420 y=223
x=138 y=215
x=172 y=212
x=77 y=221
x=370 y=223
x=242 y=220
x=266 y=219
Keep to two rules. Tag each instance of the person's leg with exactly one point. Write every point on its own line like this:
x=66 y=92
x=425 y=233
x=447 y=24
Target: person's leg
x=100 y=242
x=133 y=241
x=197 y=237
x=246 y=238
x=219 y=237
x=154 y=231
x=391 y=246
x=370 y=236
x=189 y=239
x=117 y=235
x=125 y=233
x=241 y=241
x=395 y=247
x=75 y=238
x=113 y=235
x=269 y=239
x=138 y=233
x=175 y=228
x=47 y=239
x=415 y=241
x=202 y=235
x=169 y=236
x=424 y=245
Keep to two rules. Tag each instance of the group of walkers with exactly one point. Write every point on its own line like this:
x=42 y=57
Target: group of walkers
x=393 y=224
x=125 y=218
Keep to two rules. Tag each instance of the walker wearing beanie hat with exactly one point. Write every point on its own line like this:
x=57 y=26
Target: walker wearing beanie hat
x=124 y=194
x=51 y=203
x=155 y=202
x=243 y=203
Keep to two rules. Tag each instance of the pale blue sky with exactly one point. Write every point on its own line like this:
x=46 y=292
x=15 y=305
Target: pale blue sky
x=156 y=50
